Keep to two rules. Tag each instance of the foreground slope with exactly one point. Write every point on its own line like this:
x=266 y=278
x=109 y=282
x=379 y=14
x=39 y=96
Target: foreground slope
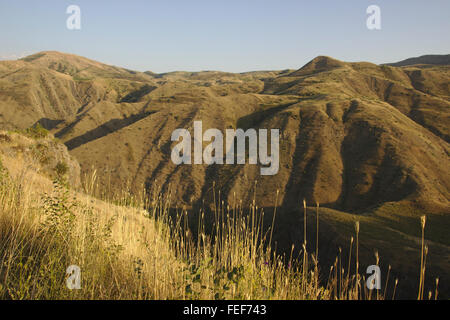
x=121 y=250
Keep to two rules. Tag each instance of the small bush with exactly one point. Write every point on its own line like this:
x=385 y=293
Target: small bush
x=41 y=153
x=37 y=131
x=5 y=137
x=61 y=169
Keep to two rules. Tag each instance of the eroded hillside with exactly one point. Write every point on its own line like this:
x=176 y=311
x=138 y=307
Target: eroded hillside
x=367 y=141
x=353 y=135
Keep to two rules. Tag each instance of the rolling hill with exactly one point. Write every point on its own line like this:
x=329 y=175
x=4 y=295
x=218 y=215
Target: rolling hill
x=368 y=142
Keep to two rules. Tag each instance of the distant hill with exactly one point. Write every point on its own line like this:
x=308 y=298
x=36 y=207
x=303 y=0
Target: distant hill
x=433 y=59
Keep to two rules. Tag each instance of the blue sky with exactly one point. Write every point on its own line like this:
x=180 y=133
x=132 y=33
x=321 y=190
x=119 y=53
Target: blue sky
x=226 y=35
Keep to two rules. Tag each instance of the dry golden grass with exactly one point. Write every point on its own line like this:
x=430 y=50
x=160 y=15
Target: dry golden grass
x=126 y=252
x=44 y=232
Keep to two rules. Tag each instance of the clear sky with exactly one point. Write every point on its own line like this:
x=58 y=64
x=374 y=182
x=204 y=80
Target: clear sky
x=228 y=35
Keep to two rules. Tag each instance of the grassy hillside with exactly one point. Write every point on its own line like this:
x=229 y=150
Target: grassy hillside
x=367 y=142
x=124 y=251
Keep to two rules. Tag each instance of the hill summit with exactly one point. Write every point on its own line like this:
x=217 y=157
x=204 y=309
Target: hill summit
x=319 y=64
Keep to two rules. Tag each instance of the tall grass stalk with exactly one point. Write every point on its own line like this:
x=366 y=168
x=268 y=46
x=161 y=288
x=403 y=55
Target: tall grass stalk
x=423 y=220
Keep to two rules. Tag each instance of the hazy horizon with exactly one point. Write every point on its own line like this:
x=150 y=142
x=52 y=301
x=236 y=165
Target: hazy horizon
x=211 y=70
x=230 y=37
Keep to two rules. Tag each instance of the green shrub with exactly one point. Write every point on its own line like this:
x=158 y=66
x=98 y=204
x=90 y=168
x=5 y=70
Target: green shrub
x=37 y=131
x=61 y=169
